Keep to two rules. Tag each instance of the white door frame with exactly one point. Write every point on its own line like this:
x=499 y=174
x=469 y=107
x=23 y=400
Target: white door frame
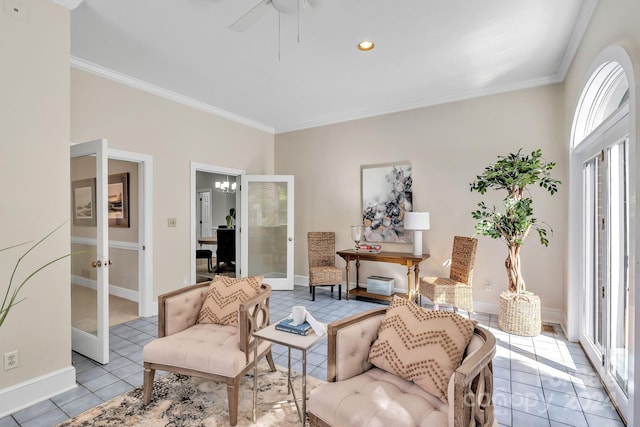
x=208 y=168
x=146 y=307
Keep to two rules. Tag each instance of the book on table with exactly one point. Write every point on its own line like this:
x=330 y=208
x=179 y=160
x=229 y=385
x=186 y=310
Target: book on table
x=286 y=326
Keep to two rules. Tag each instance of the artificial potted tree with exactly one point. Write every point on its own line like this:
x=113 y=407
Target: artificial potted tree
x=519 y=309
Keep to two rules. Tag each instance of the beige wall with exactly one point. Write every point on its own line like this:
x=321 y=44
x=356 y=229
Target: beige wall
x=448 y=146
x=174 y=135
x=34 y=167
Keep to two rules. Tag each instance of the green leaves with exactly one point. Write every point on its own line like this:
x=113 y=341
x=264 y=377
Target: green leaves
x=513 y=173
x=10 y=299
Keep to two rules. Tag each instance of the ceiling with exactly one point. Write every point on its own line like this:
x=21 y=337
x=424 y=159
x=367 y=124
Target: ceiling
x=427 y=52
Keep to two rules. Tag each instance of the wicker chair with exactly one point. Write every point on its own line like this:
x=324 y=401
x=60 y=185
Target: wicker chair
x=322 y=262
x=456 y=289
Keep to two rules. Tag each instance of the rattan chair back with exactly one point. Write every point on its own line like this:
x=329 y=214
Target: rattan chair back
x=321 y=248
x=462 y=259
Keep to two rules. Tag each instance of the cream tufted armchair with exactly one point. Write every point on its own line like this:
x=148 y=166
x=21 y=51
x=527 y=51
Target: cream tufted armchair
x=360 y=394
x=216 y=352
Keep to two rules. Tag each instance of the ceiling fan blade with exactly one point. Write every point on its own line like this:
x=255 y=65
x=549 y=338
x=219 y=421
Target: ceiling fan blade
x=252 y=16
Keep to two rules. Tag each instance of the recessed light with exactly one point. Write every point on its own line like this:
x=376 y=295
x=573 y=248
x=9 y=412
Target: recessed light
x=365 y=45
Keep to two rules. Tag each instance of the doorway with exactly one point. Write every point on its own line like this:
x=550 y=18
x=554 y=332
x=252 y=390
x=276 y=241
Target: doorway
x=220 y=183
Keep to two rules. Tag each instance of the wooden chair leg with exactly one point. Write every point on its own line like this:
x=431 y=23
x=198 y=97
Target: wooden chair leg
x=233 y=395
x=147 y=388
x=272 y=365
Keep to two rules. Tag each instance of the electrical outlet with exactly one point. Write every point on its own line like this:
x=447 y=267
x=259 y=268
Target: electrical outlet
x=172 y=222
x=11 y=360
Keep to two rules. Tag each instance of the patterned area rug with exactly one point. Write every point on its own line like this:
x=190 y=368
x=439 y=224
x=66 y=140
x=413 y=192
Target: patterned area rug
x=179 y=400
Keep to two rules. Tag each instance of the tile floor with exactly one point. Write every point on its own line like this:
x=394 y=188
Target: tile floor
x=541 y=381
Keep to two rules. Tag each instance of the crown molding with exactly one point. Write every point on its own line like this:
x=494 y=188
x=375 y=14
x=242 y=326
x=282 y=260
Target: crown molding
x=69 y=4
x=124 y=79
x=586 y=12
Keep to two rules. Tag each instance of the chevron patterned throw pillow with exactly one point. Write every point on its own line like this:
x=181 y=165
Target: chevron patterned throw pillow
x=224 y=297
x=420 y=345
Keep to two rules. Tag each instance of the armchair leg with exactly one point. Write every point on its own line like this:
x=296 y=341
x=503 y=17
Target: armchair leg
x=233 y=394
x=339 y=292
x=149 y=374
x=272 y=365
x=313 y=294
x=331 y=289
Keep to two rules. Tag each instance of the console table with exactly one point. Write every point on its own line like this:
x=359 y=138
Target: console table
x=403 y=258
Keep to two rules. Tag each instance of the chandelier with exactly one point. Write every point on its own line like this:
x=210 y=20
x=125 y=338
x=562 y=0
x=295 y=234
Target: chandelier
x=226 y=186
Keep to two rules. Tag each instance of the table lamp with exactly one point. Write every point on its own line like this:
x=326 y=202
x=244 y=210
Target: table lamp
x=416 y=221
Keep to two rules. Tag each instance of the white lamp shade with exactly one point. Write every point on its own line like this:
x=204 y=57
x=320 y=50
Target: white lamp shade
x=416 y=221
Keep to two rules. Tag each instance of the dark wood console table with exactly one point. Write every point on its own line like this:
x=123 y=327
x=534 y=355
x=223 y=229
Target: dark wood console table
x=403 y=258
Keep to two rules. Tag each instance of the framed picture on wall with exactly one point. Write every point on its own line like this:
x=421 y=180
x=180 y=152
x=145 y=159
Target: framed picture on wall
x=387 y=193
x=83 y=193
x=118 y=200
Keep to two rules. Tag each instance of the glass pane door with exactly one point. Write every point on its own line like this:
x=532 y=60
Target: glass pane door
x=618 y=360
x=593 y=234
x=266 y=229
x=89 y=235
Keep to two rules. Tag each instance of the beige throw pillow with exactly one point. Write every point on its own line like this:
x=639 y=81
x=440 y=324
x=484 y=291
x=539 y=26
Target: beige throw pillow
x=224 y=297
x=420 y=345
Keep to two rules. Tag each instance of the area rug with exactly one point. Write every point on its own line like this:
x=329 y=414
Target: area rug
x=180 y=400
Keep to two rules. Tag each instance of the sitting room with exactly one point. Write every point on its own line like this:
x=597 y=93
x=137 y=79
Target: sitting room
x=471 y=168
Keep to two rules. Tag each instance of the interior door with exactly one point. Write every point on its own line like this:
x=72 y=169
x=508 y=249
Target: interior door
x=266 y=229
x=89 y=234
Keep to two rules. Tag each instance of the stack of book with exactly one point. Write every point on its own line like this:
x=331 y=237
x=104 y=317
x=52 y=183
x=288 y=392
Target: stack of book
x=369 y=248
x=286 y=326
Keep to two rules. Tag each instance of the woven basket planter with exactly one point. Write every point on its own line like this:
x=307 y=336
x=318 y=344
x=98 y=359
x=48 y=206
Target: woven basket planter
x=520 y=314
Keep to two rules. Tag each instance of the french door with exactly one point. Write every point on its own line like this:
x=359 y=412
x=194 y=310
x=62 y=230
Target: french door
x=606 y=235
x=90 y=236
x=266 y=229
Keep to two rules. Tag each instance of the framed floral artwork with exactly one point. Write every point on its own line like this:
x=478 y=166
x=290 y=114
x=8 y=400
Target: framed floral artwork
x=387 y=194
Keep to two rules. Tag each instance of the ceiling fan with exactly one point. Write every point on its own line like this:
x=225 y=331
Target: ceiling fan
x=288 y=7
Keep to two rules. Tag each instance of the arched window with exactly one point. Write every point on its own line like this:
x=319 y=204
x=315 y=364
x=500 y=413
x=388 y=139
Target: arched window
x=604 y=93
x=601 y=206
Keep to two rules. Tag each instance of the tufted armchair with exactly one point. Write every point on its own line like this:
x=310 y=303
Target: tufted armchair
x=212 y=351
x=360 y=394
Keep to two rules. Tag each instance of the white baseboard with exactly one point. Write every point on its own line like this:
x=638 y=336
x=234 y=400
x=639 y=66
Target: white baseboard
x=35 y=390
x=116 y=290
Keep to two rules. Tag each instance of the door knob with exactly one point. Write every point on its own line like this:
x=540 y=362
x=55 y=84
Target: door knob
x=97 y=263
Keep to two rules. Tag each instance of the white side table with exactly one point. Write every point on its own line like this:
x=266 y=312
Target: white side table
x=299 y=342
